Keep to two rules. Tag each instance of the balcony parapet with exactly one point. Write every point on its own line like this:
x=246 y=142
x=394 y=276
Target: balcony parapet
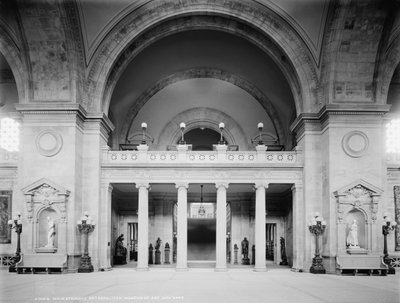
x=8 y=158
x=200 y=158
x=393 y=160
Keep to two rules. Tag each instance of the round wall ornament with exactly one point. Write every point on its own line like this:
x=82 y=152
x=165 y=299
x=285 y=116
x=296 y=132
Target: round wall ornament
x=355 y=143
x=49 y=142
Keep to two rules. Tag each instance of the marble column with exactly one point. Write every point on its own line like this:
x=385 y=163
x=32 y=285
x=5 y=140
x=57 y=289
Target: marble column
x=260 y=227
x=104 y=225
x=143 y=226
x=221 y=226
x=181 y=259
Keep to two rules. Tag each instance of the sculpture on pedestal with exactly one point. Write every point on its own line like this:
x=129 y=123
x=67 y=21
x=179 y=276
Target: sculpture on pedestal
x=158 y=252
x=167 y=253
x=245 y=252
x=120 y=251
x=352 y=237
x=51 y=232
x=150 y=254
x=283 y=253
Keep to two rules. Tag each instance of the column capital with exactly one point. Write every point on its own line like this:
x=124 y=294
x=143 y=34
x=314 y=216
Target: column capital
x=142 y=184
x=261 y=184
x=182 y=184
x=221 y=184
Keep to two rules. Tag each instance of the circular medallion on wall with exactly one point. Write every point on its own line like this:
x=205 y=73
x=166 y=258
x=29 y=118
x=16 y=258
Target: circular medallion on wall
x=49 y=142
x=355 y=143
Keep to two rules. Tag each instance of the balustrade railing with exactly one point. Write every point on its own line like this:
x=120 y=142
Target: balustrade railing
x=202 y=157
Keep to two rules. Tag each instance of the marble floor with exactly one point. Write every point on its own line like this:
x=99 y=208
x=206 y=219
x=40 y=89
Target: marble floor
x=242 y=285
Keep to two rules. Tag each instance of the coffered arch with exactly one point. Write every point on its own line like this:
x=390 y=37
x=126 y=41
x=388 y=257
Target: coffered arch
x=154 y=21
x=204 y=73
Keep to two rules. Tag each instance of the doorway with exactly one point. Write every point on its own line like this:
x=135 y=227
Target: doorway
x=201 y=239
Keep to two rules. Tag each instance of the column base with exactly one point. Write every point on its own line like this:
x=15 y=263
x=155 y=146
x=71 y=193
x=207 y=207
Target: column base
x=181 y=269
x=221 y=269
x=108 y=268
x=142 y=269
x=260 y=269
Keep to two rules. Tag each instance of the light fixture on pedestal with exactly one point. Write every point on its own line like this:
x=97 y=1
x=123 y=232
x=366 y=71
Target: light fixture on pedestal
x=260 y=128
x=221 y=128
x=144 y=127
x=17 y=225
x=182 y=127
x=387 y=226
x=85 y=226
x=317 y=226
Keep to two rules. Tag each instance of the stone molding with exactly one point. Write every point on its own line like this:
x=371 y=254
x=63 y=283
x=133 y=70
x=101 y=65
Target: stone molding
x=130 y=36
x=44 y=194
x=222 y=184
x=357 y=151
x=54 y=148
x=359 y=195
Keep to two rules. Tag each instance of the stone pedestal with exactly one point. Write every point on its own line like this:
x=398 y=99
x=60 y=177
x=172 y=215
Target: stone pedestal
x=157 y=257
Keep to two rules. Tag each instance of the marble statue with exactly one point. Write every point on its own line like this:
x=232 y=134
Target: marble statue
x=245 y=252
x=352 y=237
x=51 y=232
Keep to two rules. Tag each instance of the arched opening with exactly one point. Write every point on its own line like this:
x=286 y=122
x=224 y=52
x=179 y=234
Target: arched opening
x=202 y=139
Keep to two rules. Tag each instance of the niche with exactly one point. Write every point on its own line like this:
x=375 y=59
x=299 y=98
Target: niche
x=47 y=224
x=359 y=218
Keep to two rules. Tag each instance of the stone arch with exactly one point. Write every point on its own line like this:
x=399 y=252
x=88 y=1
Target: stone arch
x=204 y=73
x=156 y=20
x=11 y=52
x=385 y=72
x=202 y=117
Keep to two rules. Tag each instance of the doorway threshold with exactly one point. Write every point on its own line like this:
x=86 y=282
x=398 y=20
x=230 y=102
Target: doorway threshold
x=201 y=263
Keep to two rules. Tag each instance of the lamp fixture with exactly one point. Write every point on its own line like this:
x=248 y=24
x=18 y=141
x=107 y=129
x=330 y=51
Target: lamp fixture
x=260 y=128
x=202 y=210
x=182 y=127
x=221 y=128
x=144 y=127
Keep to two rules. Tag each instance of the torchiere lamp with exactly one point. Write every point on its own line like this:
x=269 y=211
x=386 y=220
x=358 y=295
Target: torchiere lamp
x=144 y=127
x=317 y=226
x=387 y=226
x=221 y=128
x=182 y=127
x=260 y=128
x=85 y=226
x=17 y=225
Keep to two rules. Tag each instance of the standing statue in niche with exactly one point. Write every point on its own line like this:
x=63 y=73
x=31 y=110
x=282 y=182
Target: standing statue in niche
x=51 y=232
x=352 y=237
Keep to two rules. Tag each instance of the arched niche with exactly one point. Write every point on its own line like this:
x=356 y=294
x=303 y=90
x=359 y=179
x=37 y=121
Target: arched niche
x=358 y=201
x=359 y=217
x=43 y=229
x=46 y=199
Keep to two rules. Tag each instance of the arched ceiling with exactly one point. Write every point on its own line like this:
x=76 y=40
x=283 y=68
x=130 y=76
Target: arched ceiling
x=203 y=49
x=307 y=17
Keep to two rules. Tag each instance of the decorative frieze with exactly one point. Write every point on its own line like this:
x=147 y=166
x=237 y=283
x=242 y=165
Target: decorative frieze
x=360 y=195
x=45 y=194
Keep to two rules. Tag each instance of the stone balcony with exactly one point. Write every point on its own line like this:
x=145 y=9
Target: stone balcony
x=8 y=159
x=220 y=157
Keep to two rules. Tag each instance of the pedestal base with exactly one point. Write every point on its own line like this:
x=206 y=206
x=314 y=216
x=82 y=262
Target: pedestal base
x=317 y=266
x=246 y=261
x=85 y=265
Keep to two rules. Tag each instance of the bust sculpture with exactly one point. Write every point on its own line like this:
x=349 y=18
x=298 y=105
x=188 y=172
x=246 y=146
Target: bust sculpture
x=352 y=237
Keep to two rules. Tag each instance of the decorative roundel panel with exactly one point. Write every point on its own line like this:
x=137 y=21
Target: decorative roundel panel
x=355 y=143
x=49 y=142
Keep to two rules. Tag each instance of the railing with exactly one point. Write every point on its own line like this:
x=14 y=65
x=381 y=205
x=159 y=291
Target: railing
x=8 y=158
x=393 y=160
x=202 y=157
